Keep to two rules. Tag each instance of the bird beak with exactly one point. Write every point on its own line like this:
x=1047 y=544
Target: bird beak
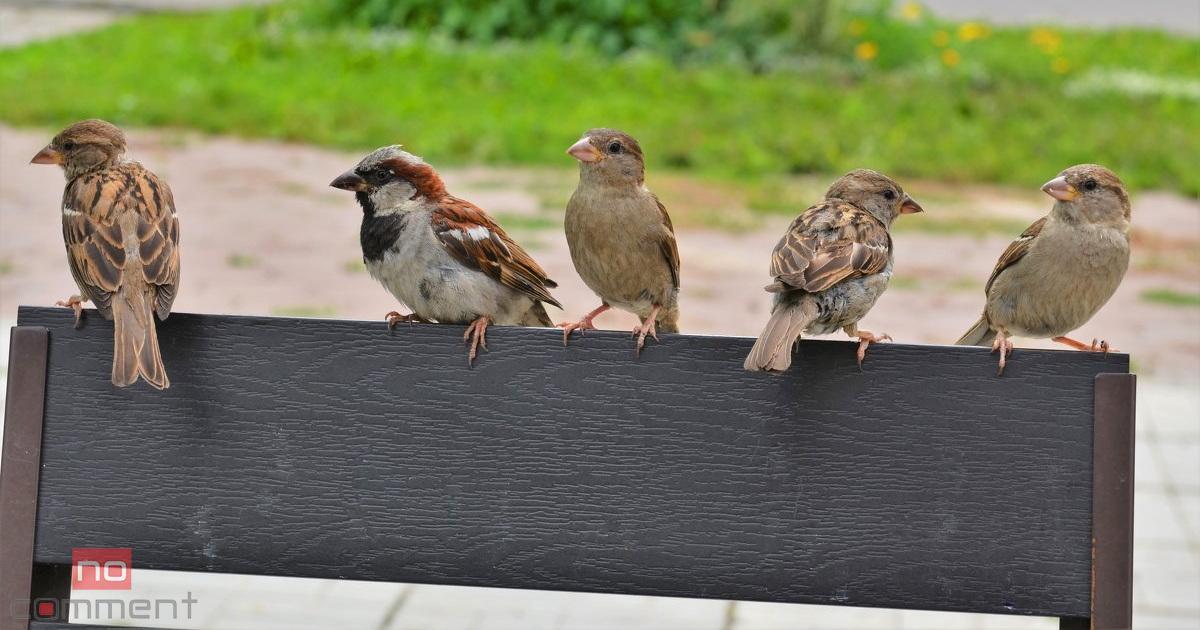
x=48 y=155
x=584 y=151
x=1060 y=189
x=350 y=181
x=910 y=205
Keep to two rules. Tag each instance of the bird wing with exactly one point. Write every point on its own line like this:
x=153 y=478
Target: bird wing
x=475 y=240
x=666 y=242
x=831 y=242
x=1016 y=251
x=93 y=207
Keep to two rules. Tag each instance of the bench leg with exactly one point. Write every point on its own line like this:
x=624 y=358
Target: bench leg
x=1112 y=501
x=23 y=415
x=1074 y=623
x=50 y=592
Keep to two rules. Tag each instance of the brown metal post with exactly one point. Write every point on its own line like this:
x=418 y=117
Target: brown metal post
x=23 y=414
x=1112 y=502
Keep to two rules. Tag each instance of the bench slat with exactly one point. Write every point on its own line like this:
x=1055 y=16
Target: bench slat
x=332 y=449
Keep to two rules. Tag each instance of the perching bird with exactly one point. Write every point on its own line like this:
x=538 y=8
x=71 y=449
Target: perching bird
x=832 y=264
x=441 y=256
x=1063 y=268
x=122 y=241
x=620 y=236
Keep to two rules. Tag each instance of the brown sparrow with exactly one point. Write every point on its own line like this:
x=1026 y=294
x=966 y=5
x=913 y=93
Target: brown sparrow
x=443 y=257
x=122 y=241
x=1063 y=268
x=620 y=236
x=831 y=266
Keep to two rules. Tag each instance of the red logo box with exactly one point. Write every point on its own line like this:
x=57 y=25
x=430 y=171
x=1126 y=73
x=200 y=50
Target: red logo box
x=102 y=569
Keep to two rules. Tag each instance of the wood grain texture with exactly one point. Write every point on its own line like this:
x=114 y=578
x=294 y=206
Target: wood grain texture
x=335 y=449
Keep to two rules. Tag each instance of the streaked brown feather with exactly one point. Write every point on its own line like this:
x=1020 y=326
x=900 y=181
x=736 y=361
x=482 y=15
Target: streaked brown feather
x=670 y=249
x=831 y=242
x=477 y=241
x=1015 y=251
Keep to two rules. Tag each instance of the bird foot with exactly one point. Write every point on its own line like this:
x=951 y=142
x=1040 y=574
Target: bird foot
x=1005 y=346
x=476 y=336
x=394 y=318
x=647 y=327
x=75 y=302
x=1097 y=345
x=583 y=324
x=865 y=339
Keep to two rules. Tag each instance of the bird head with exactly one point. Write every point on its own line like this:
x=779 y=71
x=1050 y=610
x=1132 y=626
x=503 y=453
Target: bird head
x=84 y=146
x=874 y=192
x=610 y=156
x=1089 y=193
x=390 y=180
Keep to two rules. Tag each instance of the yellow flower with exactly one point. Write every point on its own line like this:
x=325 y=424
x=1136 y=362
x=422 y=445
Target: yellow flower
x=941 y=39
x=950 y=57
x=866 y=51
x=1045 y=39
x=911 y=11
x=1060 y=65
x=856 y=27
x=971 y=31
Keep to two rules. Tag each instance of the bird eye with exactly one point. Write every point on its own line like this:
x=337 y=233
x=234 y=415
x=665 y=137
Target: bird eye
x=889 y=195
x=68 y=145
x=1089 y=184
x=380 y=175
x=614 y=147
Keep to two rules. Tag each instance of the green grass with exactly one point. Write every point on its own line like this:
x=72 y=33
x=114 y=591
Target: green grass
x=241 y=261
x=1003 y=112
x=304 y=310
x=1171 y=297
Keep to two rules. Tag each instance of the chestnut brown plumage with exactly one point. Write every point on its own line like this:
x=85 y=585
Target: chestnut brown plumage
x=442 y=256
x=1062 y=269
x=122 y=240
x=620 y=236
x=831 y=266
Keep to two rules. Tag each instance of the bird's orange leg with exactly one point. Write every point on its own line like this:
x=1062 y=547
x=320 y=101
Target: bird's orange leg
x=583 y=324
x=647 y=327
x=1098 y=345
x=865 y=339
x=476 y=336
x=1005 y=346
x=75 y=302
x=394 y=318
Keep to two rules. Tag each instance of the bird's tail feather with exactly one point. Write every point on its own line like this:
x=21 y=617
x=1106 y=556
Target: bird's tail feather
x=772 y=351
x=668 y=320
x=135 y=341
x=980 y=334
x=537 y=316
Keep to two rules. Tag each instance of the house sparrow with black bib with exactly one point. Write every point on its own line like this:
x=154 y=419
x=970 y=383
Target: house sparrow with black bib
x=441 y=256
x=620 y=236
x=1063 y=268
x=831 y=266
x=122 y=240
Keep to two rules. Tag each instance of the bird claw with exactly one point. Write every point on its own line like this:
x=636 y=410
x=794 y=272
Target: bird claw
x=75 y=302
x=570 y=327
x=1101 y=345
x=647 y=327
x=865 y=339
x=1005 y=346
x=394 y=318
x=476 y=336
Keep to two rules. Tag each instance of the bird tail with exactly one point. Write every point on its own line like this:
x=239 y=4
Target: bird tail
x=668 y=320
x=980 y=334
x=537 y=316
x=772 y=351
x=135 y=341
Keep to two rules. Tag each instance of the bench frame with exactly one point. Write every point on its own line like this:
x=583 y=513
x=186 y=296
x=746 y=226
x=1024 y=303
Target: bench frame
x=23 y=581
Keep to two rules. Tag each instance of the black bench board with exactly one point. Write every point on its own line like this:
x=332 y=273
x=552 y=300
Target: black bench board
x=334 y=449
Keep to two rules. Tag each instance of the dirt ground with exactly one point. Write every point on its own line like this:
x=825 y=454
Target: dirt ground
x=262 y=233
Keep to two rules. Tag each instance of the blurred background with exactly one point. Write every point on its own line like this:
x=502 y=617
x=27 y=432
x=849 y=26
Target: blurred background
x=746 y=109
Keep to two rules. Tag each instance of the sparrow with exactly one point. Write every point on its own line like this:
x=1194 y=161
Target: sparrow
x=122 y=240
x=831 y=266
x=442 y=256
x=1062 y=269
x=620 y=236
